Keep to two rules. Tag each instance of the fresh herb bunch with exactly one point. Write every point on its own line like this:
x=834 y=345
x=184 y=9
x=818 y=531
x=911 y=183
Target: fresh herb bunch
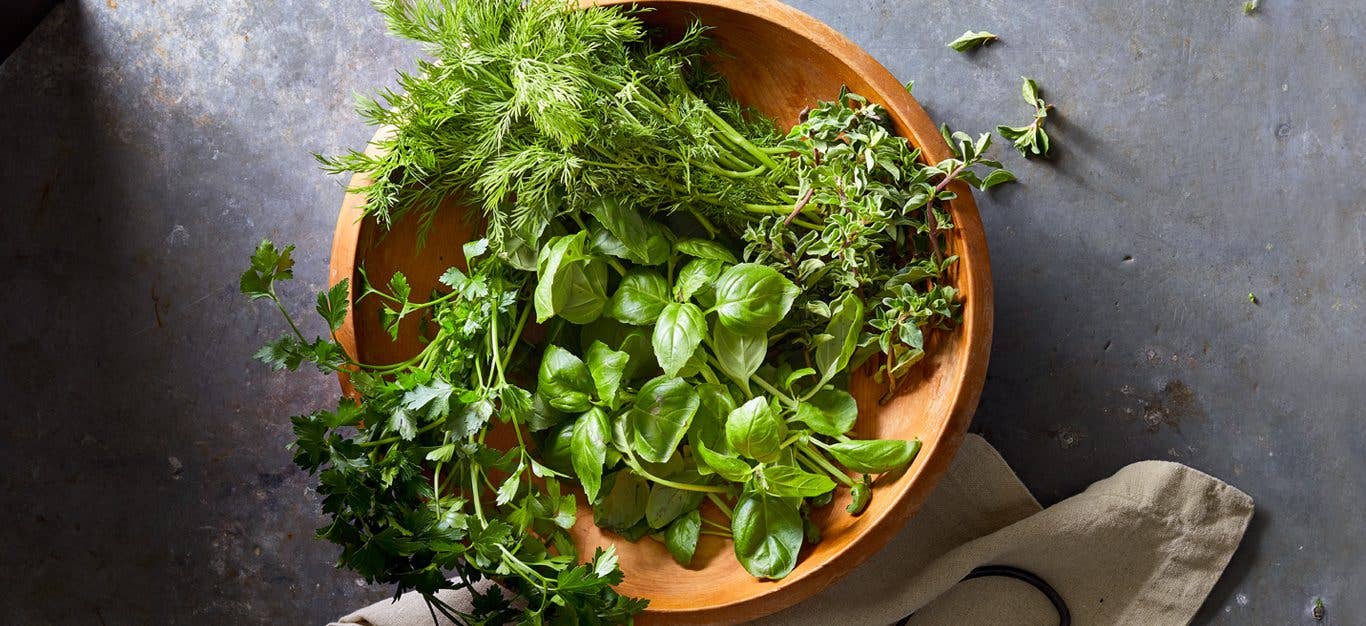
x=841 y=203
x=701 y=287
x=538 y=109
x=404 y=467
x=1030 y=139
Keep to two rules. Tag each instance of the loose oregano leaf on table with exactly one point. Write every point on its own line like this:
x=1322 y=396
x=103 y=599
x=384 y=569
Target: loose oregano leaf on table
x=971 y=40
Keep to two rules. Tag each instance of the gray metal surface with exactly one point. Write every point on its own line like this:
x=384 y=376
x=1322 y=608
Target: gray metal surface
x=1201 y=155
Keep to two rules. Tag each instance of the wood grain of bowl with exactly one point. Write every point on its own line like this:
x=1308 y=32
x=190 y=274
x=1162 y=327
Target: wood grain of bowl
x=779 y=60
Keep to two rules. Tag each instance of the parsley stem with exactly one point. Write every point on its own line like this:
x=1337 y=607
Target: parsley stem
x=494 y=350
x=436 y=488
x=288 y=318
x=396 y=438
x=474 y=494
x=516 y=335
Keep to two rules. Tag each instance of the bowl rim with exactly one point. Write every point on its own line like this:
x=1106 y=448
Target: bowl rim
x=965 y=389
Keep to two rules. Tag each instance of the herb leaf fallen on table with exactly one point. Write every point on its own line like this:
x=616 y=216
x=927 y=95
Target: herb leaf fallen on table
x=1030 y=139
x=970 y=40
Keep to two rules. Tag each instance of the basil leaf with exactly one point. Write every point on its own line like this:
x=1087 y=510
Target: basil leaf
x=754 y=430
x=666 y=504
x=681 y=536
x=789 y=482
x=664 y=409
x=739 y=355
x=728 y=467
x=677 y=333
x=645 y=242
x=589 y=450
x=767 y=535
x=621 y=433
x=672 y=468
x=585 y=290
x=875 y=456
x=797 y=375
x=557 y=451
x=633 y=340
x=607 y=367
x=830 y=412
x=624 y=503
x=605 y=242
x=564 y=380
x=752 y=298
x=552 y=292
x=709 y=424
x=640 y=298
x=705 y=249
x=846 y=324
x=695 y=276
x=542 y=415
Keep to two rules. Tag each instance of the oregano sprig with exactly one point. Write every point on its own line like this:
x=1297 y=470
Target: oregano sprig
x=1030 y=139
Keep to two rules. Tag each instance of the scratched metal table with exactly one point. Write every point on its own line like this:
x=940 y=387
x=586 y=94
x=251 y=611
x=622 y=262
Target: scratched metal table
x=1201 y=155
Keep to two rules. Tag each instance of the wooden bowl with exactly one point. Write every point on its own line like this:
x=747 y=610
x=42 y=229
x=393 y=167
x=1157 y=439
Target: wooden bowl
x=778 y=60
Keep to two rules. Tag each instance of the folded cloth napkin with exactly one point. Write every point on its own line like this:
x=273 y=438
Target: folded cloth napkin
x=1141 y=547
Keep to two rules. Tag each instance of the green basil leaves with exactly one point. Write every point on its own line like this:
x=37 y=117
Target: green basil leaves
x=767 y=535
x=754 y=430
x=752 y=298
x=875 y=456
x=664 y=409
x=677 y=334
x=564 y=380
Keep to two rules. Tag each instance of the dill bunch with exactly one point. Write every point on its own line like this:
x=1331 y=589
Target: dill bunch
x=535 y=109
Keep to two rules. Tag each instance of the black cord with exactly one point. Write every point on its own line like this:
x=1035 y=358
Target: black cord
x=1006 y=571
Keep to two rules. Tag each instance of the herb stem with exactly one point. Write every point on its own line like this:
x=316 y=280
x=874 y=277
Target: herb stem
x=826 y=465
x=288 y=318
x=771 y=389
x=516 y=335
x=716 y=524
x=706 y=223
x=635 y=465
x=720 y=504
x=474 y=494
x=396 y=438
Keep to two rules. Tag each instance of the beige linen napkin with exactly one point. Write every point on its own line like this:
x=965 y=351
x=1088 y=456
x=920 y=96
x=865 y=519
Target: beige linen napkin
x=1141 y=547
